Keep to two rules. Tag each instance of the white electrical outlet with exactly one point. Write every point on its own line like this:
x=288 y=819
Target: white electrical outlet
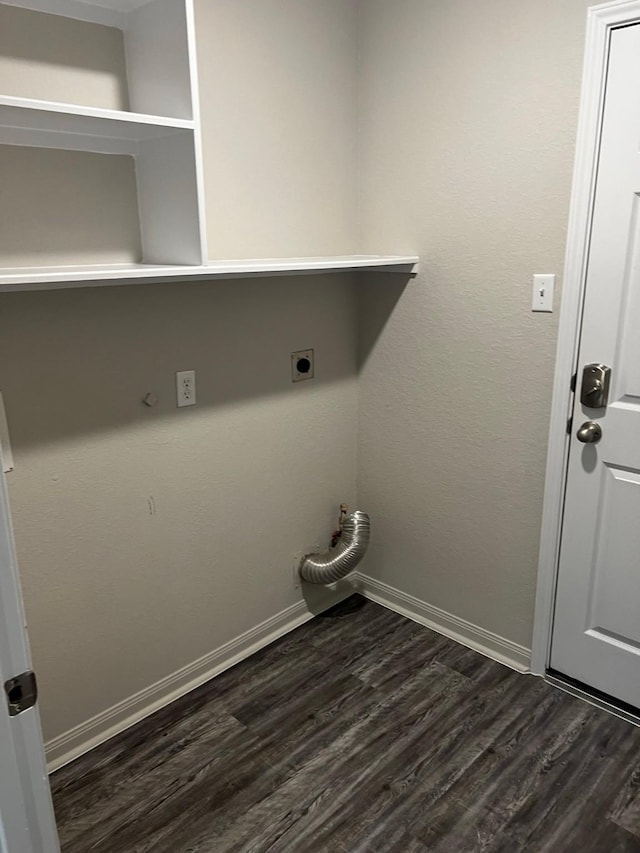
x=185 y=388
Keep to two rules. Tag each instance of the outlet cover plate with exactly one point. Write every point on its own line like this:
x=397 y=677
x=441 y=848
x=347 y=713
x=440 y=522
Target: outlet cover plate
x=302 y=365
x=185 y=388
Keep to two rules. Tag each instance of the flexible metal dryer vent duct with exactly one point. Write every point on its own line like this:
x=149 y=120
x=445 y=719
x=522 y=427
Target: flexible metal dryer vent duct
x=344 y=557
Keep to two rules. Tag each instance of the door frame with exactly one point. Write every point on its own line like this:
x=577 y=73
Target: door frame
x=27 y=821
x=601 y=20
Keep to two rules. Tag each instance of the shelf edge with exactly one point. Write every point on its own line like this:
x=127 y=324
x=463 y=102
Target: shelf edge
x=63 y=278
x=88 y=112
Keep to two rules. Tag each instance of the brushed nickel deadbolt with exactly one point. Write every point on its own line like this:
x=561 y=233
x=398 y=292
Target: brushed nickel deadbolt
x=594 y=392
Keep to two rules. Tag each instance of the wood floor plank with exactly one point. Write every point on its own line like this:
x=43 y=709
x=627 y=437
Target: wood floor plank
x=294 y=732
x=476 y=811
x=625 y=810
x=593 y=768
x=361 y=732
x=372 y=763
x=327 y=785
x=123 y=772
x=618 y=841
x=154 y=795
x=438 y=749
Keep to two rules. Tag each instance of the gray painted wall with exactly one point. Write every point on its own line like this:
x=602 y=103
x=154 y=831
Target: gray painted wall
x=127 y=519
x=150 y=537
x=468 y=123
x=147 y=538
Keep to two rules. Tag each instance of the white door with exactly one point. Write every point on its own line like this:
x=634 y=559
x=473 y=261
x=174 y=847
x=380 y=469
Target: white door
x=27 y=824
x=596 y=629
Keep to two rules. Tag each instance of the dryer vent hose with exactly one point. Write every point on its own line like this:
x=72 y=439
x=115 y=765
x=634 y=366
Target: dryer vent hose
x=344 y=556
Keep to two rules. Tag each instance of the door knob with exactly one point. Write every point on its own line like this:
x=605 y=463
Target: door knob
x=590 y=432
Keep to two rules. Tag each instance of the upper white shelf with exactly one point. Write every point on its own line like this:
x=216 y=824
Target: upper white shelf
x=47 y=278
x=112 y=13
x=49 y=124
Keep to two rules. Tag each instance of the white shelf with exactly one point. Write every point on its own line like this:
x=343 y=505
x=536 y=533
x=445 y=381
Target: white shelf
x=162 y=130
x=159 y=44
x=49 y=124
x=111 y=13
x=333 y=263
x=48 y=278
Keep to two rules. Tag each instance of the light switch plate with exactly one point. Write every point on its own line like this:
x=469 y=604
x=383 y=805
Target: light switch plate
x=543 y=287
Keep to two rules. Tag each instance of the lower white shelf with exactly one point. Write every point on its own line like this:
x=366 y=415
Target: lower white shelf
x=48 y=278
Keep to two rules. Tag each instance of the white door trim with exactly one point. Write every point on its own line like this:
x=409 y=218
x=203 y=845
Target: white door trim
x=27 y=822
x=600 y=21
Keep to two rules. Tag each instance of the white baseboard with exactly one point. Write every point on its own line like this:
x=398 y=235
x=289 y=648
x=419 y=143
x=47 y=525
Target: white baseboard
x=479 y=639
x=75 y=742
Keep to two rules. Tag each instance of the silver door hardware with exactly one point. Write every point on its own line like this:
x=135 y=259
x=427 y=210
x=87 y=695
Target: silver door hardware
x=590 y=432
x=595 y=386
x=22 y=693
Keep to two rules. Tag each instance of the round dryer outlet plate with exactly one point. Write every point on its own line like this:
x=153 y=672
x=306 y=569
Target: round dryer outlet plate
x=302 y=365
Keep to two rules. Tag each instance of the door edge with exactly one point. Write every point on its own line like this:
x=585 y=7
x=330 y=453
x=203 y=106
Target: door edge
x=601 y=20
x=593 y=697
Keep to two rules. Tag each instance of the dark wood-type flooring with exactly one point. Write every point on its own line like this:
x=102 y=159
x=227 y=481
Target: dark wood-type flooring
x=361 y=731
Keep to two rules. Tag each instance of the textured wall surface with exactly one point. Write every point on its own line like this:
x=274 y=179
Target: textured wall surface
x=468 y=129
x=66 y=207
x=149 y=537
x=128 y=520
x=278 y=87
x=59 y=59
